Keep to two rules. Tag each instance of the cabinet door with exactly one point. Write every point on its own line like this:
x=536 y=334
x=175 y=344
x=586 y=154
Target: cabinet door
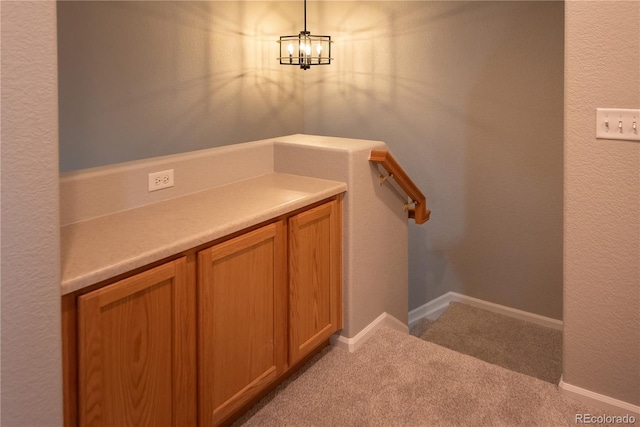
x=136 y=350
x=315 y=294
x=241 y=320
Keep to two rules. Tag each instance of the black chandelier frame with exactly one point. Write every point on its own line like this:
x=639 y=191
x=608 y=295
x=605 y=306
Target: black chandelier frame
x=299 y=49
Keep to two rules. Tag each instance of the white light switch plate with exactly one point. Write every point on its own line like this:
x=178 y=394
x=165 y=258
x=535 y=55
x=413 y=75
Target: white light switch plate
x=617 y=123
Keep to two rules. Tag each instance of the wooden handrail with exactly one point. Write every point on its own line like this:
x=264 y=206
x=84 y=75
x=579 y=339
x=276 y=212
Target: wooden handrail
x=384 y=158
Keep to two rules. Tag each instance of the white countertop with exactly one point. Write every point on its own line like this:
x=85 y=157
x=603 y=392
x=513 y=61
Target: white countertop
x=101 y=248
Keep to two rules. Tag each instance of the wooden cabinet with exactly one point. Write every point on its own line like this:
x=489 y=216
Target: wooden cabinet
x=315 y=292
x=260 y=302
x=241 y=317
x=136 y=361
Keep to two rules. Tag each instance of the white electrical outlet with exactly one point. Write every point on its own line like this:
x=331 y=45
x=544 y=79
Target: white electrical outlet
x=618 y=123
x=160 y=180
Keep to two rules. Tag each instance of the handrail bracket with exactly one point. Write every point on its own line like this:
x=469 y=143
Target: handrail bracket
x=383 y=178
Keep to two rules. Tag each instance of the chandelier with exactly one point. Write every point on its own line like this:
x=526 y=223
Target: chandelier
x=305 y=49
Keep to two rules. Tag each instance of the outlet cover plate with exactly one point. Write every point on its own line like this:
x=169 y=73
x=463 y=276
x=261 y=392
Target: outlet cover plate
x=160 y=180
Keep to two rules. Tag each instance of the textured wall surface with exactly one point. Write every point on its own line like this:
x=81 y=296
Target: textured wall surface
x=31 y=353
x=602 y=202
x=468 y=96
x=145 y=79
x=375 y=241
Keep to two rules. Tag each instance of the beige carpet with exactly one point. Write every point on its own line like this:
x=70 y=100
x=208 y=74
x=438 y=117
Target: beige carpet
x=421 y=327
x=395 y=379
x=511 y=343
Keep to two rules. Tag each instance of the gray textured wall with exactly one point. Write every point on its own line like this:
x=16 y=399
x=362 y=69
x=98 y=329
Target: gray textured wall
x=31 y=333
x=602 y=203
x=145 y=79
x=469 y=96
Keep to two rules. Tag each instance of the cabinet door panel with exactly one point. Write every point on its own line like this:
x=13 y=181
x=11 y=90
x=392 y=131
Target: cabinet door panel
x=136 y=356
x=241 y=294
x=314 y=278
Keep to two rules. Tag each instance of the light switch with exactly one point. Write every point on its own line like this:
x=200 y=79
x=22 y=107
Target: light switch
x=617 y=123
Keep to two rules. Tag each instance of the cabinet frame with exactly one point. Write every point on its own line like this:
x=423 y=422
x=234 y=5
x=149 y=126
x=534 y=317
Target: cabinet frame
x=70 y=335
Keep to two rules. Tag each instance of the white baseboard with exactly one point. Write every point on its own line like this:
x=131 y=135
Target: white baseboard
x=431 y=310
x=599 y=401
x=352 y=344
x=434 y=308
